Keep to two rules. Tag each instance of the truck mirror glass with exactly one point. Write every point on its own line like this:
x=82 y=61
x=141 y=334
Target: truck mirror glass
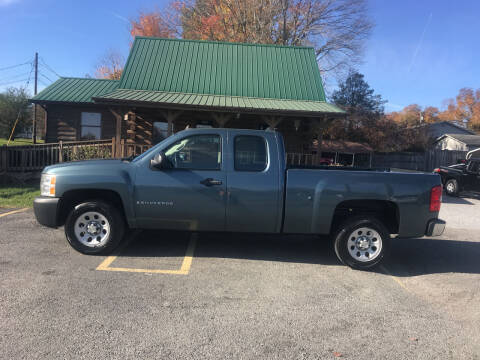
x=159 y=161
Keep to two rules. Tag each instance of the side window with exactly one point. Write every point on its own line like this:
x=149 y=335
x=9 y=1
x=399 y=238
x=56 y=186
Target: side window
x=91 y=126
x=474 y=167
x=198 y=152
x=250 y=153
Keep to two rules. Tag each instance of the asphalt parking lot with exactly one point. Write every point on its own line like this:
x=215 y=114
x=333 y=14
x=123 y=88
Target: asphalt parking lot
x=170 y=295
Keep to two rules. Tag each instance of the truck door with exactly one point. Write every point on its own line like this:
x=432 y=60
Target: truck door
x=254 y=201
x=473 y=176
x=190 y=195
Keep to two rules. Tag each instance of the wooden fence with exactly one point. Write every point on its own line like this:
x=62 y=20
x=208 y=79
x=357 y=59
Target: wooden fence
x=31 y=158
x=426 y=161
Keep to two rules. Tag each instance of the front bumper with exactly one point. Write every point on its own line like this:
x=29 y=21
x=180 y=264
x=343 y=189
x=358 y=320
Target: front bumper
x=46 y=210
x=435 y=227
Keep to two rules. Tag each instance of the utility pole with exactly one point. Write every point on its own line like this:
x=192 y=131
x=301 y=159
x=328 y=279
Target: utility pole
x=34 y=134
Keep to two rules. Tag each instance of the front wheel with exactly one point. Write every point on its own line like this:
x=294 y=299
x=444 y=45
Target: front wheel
x=451 y=187
x=94 y=227
x=362 y=242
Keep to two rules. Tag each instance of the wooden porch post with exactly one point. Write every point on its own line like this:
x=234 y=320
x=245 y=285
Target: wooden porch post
x=272 y=121
x=170 y=116
x=318 y=129
x=221 y=119
x=118 y=114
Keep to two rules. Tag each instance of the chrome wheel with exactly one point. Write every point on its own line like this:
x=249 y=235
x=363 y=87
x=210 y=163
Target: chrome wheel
x=450 y=187
x=364 y=244
x=92 y=229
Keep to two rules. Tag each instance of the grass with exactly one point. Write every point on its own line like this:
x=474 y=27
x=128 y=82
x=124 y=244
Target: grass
x=19 y=142
x=18 y=196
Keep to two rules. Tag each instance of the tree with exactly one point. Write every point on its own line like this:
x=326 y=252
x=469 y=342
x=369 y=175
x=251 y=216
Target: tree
x=431 y=114
x=14 y=104
x=464 y=108
x=411 y=115
x=164 y=24
x=355 y=94
x=110 y=66
x=364 y=121
x=336 y=28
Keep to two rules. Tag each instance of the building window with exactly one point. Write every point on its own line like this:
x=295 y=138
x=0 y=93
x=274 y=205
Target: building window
x=160 y=131
x=250 y=153
x=91 y=126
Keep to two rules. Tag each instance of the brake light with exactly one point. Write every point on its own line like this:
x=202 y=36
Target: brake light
x=437 y=170
x=435 y=198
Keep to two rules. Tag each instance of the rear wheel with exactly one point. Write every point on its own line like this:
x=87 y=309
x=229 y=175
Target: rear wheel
x=451 y=187
x=94 y=227
x=362 y=242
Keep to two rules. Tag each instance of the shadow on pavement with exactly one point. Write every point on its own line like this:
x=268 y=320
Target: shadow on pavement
x=298 y=249
x=409 y=257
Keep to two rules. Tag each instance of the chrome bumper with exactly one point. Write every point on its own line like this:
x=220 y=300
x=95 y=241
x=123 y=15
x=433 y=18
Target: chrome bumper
x=435 y=227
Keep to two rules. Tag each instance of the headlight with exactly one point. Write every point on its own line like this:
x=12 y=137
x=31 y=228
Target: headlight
x=47 y=185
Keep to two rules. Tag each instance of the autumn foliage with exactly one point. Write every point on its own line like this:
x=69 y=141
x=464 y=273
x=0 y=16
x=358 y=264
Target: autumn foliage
x=464 y=108
x=336 y=28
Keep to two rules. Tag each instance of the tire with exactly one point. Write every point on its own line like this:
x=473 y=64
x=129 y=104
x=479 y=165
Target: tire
x=362 y=242
x=94 y=227
x=451 y=187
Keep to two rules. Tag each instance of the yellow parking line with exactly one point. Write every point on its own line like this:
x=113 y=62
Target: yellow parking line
x=13 y=212
x=396 y=279
x=184 y=269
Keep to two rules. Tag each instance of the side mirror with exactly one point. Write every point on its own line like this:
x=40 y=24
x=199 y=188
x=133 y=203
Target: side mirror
x=159 y=161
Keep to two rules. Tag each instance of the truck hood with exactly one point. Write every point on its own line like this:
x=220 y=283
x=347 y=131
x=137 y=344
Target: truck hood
x=87 y=166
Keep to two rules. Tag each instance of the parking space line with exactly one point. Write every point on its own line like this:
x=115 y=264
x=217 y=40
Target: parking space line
x=184 y=269
x=13 y=212
x=396 y=279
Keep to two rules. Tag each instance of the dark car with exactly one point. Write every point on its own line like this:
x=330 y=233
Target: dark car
x=461 y=177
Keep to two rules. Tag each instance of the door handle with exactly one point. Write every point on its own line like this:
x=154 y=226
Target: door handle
x=210 y=182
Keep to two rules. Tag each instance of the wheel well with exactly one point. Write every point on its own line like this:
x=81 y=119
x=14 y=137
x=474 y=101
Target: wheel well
x=385 y=211
x=72 y=198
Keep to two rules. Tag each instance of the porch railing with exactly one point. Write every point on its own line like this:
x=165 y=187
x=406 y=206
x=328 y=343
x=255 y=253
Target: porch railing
x=33 y=158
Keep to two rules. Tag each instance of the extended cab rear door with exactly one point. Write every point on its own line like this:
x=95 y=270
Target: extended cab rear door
x=254 y=182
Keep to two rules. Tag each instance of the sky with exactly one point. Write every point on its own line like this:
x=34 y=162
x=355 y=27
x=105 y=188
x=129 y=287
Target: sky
x=420 y=51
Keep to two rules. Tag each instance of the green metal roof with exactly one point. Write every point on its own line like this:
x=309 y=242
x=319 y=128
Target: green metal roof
x=76 y=90
x=220 y=68
x=205 y=101
x=208 y=75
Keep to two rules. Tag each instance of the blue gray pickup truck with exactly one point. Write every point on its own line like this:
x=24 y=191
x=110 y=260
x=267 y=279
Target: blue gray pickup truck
x=237 y=181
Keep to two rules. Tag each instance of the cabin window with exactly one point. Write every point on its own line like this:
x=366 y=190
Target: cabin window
x=91 y=126
x=250 y=153
x=160 y=131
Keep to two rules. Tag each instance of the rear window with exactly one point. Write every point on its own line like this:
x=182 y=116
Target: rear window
x=250 y=153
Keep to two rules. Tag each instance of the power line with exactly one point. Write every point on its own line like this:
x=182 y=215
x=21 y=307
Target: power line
x=45 y=76
x=14 y=66
x=15 y=76
x=48 y=67
x=42 y=82
x=13 y=82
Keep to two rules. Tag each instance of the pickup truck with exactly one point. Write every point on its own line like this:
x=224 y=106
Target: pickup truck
x=232 y=180
x=460 y=177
